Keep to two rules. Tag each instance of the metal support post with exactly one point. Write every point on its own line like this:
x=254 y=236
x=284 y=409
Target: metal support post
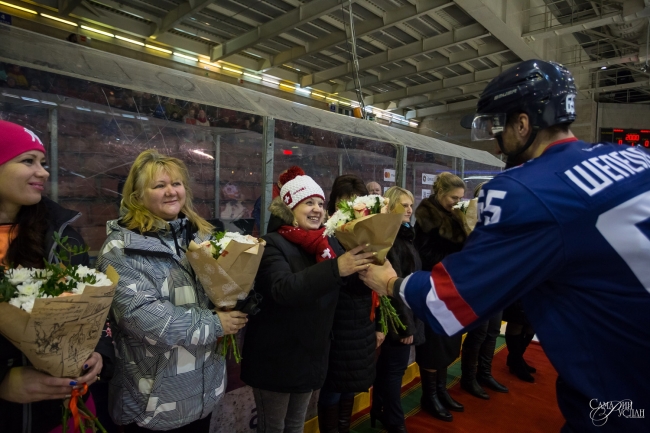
x=54 y=155
x=217 y=168
x=267 y=171
x=400 y=166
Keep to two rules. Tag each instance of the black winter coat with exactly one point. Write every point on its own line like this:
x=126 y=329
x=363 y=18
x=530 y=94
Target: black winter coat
x=44 y=415
x=286 y=344
x=352 y=356
x=405 y=260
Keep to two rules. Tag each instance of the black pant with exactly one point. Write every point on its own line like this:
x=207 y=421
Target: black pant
x=485 y=334
x=198 y=426
x=387 y=389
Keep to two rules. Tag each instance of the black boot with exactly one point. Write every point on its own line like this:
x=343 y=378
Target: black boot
x=484 y=373
x=468 y=365
x=345 y=414
x=527 y=339
x=516 y=361
x=328 y=418
x=443 y=395
x=429 y=401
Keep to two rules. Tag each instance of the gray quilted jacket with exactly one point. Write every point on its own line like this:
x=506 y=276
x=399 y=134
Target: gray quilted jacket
x=168 y=370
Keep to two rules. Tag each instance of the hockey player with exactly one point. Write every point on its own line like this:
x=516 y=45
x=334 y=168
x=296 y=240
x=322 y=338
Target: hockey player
x=568 y=231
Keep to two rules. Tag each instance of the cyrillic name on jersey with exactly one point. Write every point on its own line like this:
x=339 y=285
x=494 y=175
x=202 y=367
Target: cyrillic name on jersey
x=595 y=174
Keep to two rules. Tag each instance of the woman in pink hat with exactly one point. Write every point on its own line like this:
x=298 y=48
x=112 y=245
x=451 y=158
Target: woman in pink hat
x=286 y=345
x=30 y=401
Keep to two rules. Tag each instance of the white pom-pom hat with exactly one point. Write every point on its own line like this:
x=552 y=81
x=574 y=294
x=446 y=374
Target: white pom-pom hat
x=300 y=189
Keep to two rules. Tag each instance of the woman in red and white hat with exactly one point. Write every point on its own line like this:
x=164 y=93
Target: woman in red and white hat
x=31 y=400
x=286 y=346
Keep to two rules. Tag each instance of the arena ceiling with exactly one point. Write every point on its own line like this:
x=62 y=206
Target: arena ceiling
x=415 y=57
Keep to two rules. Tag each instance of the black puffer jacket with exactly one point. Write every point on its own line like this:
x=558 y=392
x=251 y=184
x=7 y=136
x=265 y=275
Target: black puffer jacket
x=405 y=260
x=438 y=233
x=43 y=416
x=286 y=345
x=352 y=354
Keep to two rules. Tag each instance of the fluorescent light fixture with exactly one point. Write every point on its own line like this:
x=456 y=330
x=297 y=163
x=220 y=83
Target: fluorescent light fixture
x=200 y=152
x=603 y=67
x=266 y=80
x=83 y=108
x=130 y=116
x=413 y=124
x=48 y=103
x=29 y=11
x=235 y=71
x=100 y=111
x=185 y=56
x=252 y=76
x=207 y=62
x=10 y=95
x=25 y=98
x=153 y=47
x=288 y=86
x=142 y=118
x=101 y=32
x=253 y=54
x=70 y=23
x=318 y=95
x=306 y=92
x=131 y=41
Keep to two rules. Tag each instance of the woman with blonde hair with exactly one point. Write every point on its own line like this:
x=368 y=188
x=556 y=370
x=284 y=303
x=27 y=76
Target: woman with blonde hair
x=438 y=233
x=394 y=356
x=168 y=374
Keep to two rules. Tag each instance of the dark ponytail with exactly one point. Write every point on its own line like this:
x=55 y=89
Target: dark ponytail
x=28 y=248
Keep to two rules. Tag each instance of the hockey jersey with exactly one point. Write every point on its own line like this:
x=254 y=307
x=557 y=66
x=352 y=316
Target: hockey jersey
x=569 y=233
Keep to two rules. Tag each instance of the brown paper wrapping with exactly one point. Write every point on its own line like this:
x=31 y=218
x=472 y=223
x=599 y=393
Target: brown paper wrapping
x=378 y=230
x=60 y=333
x=229 y=278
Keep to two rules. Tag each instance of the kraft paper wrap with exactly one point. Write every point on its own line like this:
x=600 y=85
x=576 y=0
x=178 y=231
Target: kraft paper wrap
x=60 y=333
x=378 y=230
x=229 y=278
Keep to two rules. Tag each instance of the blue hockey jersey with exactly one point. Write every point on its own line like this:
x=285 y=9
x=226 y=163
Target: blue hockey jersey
x=569 y=233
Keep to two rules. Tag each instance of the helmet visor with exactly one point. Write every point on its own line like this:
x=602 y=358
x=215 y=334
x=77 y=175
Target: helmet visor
x=487 y=126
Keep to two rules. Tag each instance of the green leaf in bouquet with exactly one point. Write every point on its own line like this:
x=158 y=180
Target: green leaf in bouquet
x=388 y=317
x=230 y=347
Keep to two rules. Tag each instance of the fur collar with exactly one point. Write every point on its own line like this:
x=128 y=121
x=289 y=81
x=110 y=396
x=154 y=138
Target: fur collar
x=430 y=215
x=281 y=210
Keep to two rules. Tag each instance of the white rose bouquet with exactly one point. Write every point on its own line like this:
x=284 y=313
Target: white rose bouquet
x=365 y=220
x=226 y=266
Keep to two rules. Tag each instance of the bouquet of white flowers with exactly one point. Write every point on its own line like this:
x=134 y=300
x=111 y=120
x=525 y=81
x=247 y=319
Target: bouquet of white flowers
x=55 y=316
x=365 y=220
x=226 y=267
x=467 y=212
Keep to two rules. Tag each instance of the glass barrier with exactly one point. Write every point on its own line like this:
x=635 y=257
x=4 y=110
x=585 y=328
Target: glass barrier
x=421 y=171
x=324 y=155
x=476 y=173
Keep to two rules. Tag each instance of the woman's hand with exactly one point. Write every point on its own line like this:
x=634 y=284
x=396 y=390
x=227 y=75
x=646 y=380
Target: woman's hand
x=232 y=321
x=378 y=277
x=354 y=260
x=92 y=367
x=380 y=338
x=407 y=340
x=27 y=385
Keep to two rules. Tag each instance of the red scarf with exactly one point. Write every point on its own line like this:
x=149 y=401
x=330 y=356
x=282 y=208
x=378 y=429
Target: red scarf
x=311 y=241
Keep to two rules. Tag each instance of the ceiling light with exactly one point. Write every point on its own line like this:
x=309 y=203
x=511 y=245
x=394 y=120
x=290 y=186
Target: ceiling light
x=131 y=41
x=153 y=47
x=101 y=32
x=70 y=23
x=185 y=56
x=234 y=71
x=19 y=8
x=199 y=152
x=252 y=76
x=289 y=86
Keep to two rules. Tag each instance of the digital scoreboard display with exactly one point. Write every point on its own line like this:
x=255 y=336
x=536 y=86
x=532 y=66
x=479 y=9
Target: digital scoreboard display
x=632 y=137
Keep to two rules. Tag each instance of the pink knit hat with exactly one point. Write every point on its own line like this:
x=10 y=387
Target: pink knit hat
x=299 y=189
x=16 y=140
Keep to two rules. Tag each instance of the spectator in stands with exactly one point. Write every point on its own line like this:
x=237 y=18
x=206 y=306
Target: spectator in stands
x=171 y=107
x=20 y=81
x=27 y=396
x=355 y=336
x=287 y=343
x=165 y=330
x=72 y=37
x=438 y=233
x=190 y=118
x=373 y=188
x=396 y=350
x=201 y=119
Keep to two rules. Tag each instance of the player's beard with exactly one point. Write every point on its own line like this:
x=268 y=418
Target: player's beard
x=514 y=161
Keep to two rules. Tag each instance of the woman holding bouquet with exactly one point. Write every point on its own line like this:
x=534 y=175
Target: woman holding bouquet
x=355 y=335
x=439 y=232
x=394 y=356
x=286 y=345
x=169 y=374
x=31 y=400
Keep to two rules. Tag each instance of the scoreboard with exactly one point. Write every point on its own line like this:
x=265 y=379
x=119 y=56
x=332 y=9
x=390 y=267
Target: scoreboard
x=633 y=137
